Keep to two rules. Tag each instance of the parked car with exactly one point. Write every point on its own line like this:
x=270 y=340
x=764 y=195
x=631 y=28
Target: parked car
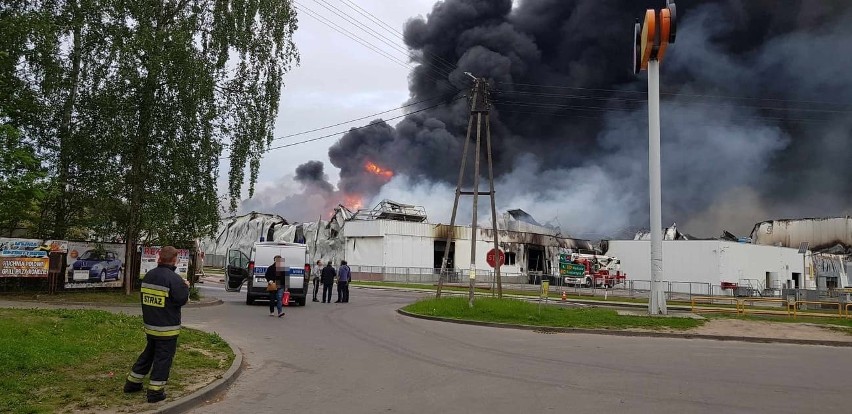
x=96 y=266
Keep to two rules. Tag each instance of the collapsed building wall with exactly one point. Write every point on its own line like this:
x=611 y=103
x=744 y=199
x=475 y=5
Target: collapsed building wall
x=324 y=239
x=830 y=240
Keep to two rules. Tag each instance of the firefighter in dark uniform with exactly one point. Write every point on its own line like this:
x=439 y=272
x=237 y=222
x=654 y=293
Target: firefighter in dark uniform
x=163 y=294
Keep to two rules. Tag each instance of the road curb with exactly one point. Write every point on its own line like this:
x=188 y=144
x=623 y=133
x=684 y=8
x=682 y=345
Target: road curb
x=208 y=392
x=113 y=305
x=614 y=332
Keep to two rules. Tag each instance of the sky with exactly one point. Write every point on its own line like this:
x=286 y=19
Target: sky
x=337 y=80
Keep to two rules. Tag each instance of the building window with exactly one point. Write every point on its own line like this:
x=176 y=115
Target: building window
x=510 y=259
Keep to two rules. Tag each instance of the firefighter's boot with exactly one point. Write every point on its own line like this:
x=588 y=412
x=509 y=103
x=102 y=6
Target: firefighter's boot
x=130 y=387
x=156 y=396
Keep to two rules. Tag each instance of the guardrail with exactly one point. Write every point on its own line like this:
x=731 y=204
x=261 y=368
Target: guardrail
x=821 y=303
x=744 y=306
x=790 y=305
x=711 y=300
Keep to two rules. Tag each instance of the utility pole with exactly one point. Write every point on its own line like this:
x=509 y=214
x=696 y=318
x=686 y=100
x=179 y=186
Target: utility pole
x=650 y=41
x=479 y=113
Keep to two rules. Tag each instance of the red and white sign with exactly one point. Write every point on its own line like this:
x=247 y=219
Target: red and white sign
x=490 y=257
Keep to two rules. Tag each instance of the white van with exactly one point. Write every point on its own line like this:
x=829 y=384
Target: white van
x=262 y=255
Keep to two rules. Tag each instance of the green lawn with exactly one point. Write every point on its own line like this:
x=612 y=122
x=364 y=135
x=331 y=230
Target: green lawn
x=554 y=293
x=76 y=360
x=100 y=297
x=527 y=313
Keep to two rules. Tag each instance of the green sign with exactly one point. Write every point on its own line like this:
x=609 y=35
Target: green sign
x=566 y=268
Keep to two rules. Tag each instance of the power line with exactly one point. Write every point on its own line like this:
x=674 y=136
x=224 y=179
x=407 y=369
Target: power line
x=390 y=29
x=365 y=117
x=532 y=85
x=431 y=70
x=627 y=110
x=351 y=129
x=334 y=26
x=617 y=99
x=365 y=28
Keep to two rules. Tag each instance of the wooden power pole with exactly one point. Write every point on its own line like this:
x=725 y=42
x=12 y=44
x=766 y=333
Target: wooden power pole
x=479 y=113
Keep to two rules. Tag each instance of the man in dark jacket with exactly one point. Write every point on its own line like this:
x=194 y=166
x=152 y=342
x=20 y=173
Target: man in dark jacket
x=327 y=277
x=277 y=273
x=344 y=276
x=164 y=292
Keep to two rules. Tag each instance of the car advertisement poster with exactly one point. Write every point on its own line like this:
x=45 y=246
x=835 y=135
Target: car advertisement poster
x=28 y=257
x=151 y=254
x=94 y=265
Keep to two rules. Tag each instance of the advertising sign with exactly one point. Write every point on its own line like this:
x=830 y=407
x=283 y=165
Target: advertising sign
x=92 y=265
x=24 y=266
x=150 y=256
x=27 y=257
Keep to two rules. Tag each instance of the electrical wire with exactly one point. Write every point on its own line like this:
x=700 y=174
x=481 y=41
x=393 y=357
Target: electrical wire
x=626 y=110
x=367 y=116
x=532 y=85
x=355 y=128
x=367 y=29
x=617 y=99
x=334 y=26
x=451 y=67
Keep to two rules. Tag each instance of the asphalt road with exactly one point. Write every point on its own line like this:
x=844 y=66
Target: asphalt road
x=363 y=357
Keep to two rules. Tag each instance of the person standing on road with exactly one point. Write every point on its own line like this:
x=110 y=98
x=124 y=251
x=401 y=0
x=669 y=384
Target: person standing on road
x=344 y=275
x=316 y=272
x=276 y=273
x=327 y=277
x=164 y=292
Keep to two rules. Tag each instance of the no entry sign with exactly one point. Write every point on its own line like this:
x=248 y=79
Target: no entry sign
x=494 y=255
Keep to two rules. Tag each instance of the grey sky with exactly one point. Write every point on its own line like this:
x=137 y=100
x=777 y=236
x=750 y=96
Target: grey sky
x=338 y=79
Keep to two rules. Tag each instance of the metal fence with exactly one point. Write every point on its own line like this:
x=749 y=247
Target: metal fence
x=428 y=275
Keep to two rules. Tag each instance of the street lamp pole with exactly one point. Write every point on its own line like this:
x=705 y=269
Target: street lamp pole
x=650 y=40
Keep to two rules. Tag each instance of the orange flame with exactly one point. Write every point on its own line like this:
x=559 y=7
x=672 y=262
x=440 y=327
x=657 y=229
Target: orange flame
x=372 y=168
x=353 y=201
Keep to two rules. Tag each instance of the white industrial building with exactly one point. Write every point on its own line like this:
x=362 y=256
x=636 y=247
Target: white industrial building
x=404 y=241
x=688 y=264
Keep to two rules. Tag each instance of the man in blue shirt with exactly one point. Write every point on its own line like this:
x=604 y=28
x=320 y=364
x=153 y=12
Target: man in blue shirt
x=344 y=276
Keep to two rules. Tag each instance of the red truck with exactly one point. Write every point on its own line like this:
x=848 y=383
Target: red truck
x=591 y=270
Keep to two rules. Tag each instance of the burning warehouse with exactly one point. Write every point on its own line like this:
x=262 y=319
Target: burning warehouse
x=397 y=238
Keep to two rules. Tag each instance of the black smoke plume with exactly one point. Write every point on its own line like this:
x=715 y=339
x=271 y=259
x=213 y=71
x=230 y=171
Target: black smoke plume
x=756 y=114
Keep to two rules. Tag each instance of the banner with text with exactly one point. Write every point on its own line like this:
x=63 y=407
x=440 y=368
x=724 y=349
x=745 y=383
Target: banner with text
x=28 y=257
x=151 y=254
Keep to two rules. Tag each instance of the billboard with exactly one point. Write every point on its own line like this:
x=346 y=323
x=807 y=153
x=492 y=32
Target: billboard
x=93 y=265
x=28 y=257
x=151 y=254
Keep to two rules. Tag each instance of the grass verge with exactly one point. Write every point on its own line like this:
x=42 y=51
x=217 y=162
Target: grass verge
x=526 y=313
x=68 y=361
x=101 y=297
x=556 y=295
x=517 y=292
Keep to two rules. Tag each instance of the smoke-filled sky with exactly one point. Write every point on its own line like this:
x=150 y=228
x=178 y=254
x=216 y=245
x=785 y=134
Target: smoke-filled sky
x=756 y=117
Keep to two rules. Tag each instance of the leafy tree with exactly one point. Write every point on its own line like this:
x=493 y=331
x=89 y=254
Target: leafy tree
x=132 y=102
x=21 y=181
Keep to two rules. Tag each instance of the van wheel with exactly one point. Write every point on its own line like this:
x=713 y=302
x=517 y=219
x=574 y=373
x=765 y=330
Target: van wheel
x=249 y=300
x=301 y=301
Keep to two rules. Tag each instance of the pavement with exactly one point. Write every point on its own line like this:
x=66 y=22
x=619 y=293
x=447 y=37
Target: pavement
x=364 y=357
